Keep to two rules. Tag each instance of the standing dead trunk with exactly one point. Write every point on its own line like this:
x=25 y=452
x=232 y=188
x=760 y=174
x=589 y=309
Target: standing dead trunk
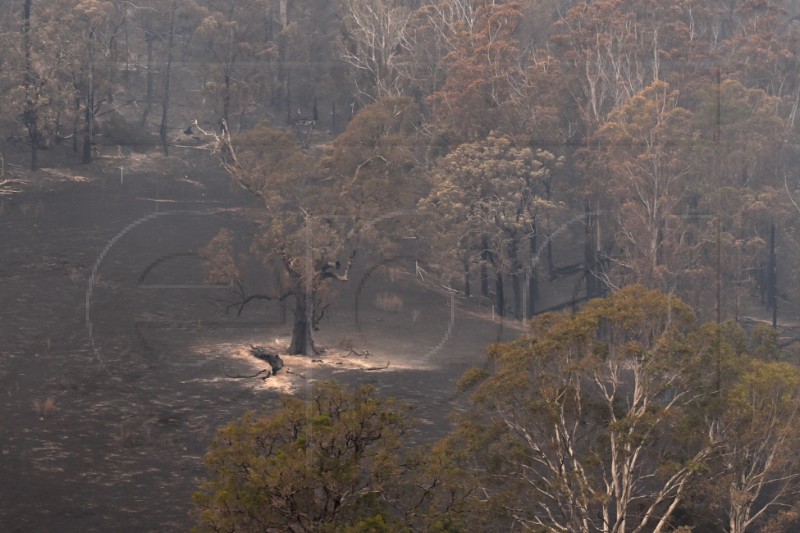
x=590 y=259
x=516 y=282
x=484 y=273
x=501 y=301
x=282 y=13
x=773 y=277
x=76 y=122
x=226 y=95
x=467 y=291
x=516 y=286
x=149 y=37
x=30 y=113
x=533 y=281
x=301 y=333
x=167 y=72
x=88 y=134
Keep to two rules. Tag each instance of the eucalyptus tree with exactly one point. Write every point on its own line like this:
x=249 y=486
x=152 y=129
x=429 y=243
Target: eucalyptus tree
x=317 y=213
x=487 y=202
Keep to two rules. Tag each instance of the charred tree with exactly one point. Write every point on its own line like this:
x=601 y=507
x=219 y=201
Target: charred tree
x=88 y=134
x=32 y=84
x=167 y=75
x=501 y=301
x=467 y=288
x=533 y=280
x=772 y=277
x=484 y=271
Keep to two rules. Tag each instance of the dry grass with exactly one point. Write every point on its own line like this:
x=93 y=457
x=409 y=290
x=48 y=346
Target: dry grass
x=44 y=407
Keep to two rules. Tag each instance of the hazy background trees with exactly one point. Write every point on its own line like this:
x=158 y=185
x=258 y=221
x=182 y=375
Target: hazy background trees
x=674 y=125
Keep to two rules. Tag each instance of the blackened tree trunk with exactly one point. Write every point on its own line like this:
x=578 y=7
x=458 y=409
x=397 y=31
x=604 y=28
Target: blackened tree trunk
x=88 y=134
x=467 y=289
x=516 y=282
x=590 y=254
x=533 y=279
x=773 y=277
x=301 y=332
x=484 y=270
x=30 y=114
x=167 y=73
x=76 y=121
x=516 y=286
x=226 y=95
x=501 y=301
x=550 y=265
x=149 y=37
x=288 y=96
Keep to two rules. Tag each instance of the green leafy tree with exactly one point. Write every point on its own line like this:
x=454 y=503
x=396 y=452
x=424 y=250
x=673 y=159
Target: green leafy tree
x=585 y=425
x=759 y=434
x=487 y=203
x=751 y=415
x=644 y=151
x=330 y=463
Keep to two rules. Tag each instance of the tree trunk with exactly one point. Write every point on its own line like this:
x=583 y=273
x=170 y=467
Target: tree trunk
x=226 y=96
x=282 y=13
x=149 y=37
x=550 y=265
x=516 y=286
x=467 y=291
x=484 y=273
x=589 y=257
x=31 y=112
x=34 y=137
x=288 y=96
x=501 y=301
x=773 y=277
x=88 y=134
x=127 y=48
x=533 y=280
x=165 y=100
x=76 y=122
x=301 y=333
x=516 y=282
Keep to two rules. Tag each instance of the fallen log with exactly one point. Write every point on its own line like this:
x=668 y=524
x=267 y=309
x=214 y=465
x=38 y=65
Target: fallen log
x=250 y=376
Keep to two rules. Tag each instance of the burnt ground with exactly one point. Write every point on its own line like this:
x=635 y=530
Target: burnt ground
x=112 y=391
